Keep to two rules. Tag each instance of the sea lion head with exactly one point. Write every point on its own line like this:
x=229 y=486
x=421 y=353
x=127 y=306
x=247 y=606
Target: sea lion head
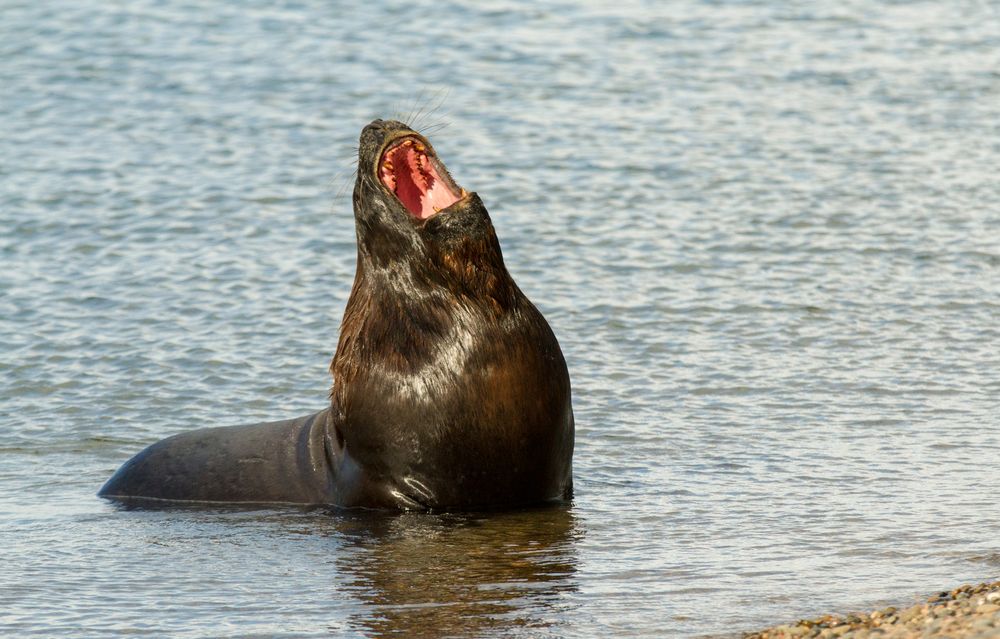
x=407 y=205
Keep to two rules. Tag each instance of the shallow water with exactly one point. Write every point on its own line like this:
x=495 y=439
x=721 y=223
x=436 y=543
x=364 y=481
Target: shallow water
x=767 y=235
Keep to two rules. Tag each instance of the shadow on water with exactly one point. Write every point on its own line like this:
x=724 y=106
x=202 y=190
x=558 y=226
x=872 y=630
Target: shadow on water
x=460 y=575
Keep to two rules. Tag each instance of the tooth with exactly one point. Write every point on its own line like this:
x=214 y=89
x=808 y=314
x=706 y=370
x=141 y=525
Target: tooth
x=420 y=147
x=407 y=142
x=387 y=165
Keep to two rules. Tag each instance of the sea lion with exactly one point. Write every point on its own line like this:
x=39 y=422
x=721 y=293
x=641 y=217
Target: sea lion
x=449 y=388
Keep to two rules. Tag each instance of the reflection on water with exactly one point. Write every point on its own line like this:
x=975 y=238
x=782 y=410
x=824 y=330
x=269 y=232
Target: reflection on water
x=459 y=575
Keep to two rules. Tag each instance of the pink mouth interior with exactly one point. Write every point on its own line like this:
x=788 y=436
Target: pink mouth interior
x=410 y=173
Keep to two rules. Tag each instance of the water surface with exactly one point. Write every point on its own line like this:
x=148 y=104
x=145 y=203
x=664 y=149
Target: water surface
x=766 y=234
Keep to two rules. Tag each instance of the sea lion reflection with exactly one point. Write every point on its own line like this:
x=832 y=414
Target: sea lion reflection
x=461 y=575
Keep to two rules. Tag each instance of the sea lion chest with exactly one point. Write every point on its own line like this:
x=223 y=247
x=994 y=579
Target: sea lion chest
x=455 y=407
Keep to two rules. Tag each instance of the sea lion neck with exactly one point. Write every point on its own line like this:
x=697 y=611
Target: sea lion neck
x=455 y=256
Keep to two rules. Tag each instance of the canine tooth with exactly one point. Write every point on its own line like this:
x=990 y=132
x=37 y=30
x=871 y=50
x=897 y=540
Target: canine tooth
x=407 y=142
x=387 y=165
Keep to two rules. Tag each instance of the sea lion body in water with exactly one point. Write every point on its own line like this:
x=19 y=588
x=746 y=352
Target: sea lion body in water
x=450 y=390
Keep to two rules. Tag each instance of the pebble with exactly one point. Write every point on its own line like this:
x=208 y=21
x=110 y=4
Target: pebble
x=967 y=612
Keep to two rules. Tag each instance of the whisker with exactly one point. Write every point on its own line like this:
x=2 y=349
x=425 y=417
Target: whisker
x=345 y=180
x=434 y=128
x=432 y=108
x=412 y=120
x=416 y=108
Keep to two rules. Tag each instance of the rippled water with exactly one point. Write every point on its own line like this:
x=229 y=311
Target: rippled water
x=767 y=235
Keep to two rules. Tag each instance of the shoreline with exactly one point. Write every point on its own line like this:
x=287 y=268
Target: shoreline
x=967 y=612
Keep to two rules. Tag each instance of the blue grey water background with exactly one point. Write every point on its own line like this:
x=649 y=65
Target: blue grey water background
x=767 y=235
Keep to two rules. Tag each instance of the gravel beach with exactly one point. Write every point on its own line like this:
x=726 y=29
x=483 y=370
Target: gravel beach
x=968 y=612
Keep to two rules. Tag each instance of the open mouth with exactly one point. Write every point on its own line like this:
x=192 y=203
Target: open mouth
x=415 y=176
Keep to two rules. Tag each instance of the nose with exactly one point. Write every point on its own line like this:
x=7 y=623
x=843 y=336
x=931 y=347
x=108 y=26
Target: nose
x=372 y=135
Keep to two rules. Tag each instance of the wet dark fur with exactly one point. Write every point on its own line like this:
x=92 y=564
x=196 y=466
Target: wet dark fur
x=450 y=390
